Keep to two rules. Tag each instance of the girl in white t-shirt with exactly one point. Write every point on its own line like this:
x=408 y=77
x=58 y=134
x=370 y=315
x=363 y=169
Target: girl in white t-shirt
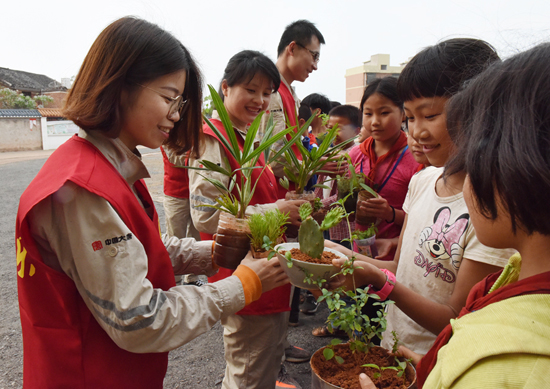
x=438 y=254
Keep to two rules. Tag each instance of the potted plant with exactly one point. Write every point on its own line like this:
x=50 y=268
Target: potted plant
x=265 y=230
x=338 y=365
x=309 y=260
x=349 y=186
x=311 y=162
x=360 y=216
x=232 y=241
x=365 y=239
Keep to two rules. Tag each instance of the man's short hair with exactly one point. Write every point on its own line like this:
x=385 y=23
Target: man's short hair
x=300 y=32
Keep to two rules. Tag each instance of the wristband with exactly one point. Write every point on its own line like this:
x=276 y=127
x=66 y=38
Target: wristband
x=393 y=218
x=388 y=286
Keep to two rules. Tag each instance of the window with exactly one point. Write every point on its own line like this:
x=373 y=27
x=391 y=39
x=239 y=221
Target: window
x=383 y=67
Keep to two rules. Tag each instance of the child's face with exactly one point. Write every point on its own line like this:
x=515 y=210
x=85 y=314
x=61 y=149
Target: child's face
x=427 y=122
x=382 y=117
x=495 y=233
x=346 y=130
x=245 y=101
x=363 y=134
x=416 y=151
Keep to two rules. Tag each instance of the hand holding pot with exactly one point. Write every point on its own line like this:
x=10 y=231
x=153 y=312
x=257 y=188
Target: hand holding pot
x=385 y=246
x=409 y=354
x=292 y=208
x=336 y=168
x=377 y=207
x=364 y=273
x=269 y=272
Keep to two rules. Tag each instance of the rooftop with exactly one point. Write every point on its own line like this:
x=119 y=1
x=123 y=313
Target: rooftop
x=19 y=113
x=50 y=112
x=28 y=82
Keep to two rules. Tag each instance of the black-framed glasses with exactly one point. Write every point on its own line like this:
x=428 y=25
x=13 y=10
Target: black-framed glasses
x=178 y=104
x=316 y=55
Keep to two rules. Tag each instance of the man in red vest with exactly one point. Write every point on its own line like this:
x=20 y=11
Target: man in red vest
x=298 y=54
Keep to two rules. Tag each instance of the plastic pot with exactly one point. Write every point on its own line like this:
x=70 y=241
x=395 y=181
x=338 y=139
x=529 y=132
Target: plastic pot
x=232 y=241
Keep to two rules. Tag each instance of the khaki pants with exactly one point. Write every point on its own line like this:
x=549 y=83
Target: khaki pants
x=254 y=348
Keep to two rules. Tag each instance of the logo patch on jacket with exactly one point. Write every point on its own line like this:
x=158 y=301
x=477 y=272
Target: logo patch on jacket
x=98 y=245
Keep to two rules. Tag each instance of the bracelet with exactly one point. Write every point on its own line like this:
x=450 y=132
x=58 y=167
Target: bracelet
x=393 y=218
x=388 y=286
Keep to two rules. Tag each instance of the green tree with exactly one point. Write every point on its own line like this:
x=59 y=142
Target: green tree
x=10 y=99
x=207 y=106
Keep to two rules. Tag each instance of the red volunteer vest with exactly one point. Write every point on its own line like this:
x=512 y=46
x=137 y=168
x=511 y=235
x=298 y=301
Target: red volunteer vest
x=289 y=108
x=176 y=179
x=278 y=299
x=63 y=344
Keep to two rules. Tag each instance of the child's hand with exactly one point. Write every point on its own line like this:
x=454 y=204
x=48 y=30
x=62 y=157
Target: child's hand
x=377 y=207
x=364 y=273
x=403 y=351
x=292 y=208
x=385 y=246
x=335 y=246
x=336 y=168
x=366 y=382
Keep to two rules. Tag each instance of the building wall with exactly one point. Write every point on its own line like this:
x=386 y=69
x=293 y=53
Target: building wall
x=58 y=99
x=19 y=134
x=359 y=77
x=354 y=88
x=56 y=132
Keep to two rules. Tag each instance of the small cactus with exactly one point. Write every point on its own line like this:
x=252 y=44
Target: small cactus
x=310 y=234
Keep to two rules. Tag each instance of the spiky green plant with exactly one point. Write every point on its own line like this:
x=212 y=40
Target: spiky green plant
x=236 y=196
x=310 y=234
x=312 y=162
x=266 y=228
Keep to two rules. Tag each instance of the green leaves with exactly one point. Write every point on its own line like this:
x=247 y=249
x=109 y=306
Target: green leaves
x=266 y=228
x=247 y=158
x=312 y=162
x=333 y=217
x=369 y=189
x=305 y=210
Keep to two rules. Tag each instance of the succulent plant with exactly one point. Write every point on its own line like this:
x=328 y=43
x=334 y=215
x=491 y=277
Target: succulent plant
x=310 y=234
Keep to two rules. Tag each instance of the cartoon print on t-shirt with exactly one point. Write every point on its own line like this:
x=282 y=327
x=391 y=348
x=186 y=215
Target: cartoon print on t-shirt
x=441 y=240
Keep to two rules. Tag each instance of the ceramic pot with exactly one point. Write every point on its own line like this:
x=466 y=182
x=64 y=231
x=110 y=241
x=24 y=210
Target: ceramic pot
x=296 y=272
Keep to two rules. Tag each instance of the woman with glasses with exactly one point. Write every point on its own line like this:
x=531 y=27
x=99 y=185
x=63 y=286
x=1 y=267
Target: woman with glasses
x=98 y=302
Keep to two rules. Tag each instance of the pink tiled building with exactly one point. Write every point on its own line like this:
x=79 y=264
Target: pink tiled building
x=359 y=77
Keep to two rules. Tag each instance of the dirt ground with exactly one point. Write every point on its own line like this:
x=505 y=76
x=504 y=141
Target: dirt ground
x=199 y=364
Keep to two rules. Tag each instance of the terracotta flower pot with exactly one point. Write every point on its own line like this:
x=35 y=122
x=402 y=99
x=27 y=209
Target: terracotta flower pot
x=232 y=241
